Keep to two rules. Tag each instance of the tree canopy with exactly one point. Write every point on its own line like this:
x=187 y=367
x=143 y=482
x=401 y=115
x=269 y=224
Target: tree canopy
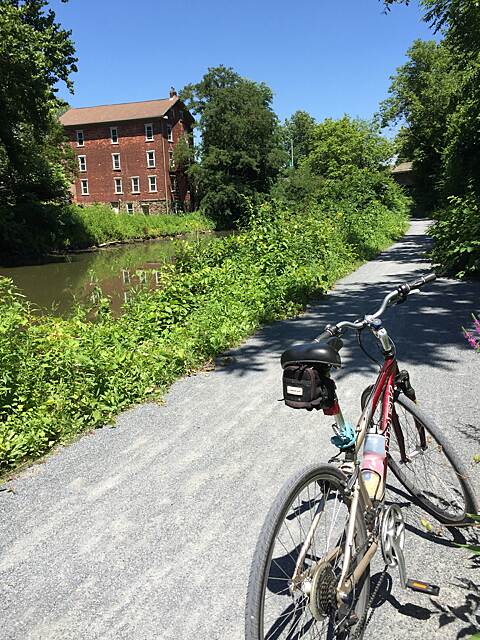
x=348 y=160
x=436 y=97
x=35 y=54
x=297 y=136
x=240 y=152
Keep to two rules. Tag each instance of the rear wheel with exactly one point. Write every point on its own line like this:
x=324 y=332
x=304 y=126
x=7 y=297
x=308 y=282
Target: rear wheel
x=298 y=561
x=431 y=470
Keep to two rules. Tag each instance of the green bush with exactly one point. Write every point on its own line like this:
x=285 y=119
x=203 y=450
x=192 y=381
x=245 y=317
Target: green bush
x=59 y=377
x=456 y=232
x=41 y=228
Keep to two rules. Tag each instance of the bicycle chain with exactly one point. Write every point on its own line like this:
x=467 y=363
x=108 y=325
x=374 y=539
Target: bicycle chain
x=366 y=617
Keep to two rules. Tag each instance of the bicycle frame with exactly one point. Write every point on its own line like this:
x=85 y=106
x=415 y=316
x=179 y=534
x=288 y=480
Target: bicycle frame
x=384 y=388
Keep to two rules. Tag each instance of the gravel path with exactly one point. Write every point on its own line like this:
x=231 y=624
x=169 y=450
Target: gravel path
x=146 y=530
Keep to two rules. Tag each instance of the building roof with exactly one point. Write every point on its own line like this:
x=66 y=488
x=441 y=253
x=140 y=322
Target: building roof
x=118 y=112
x=403 y=167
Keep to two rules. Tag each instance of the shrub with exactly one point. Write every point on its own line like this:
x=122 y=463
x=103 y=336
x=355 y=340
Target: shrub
x=59 y=377
x=457 y=237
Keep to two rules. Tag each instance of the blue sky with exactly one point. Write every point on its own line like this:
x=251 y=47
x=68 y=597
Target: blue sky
x=326 y=57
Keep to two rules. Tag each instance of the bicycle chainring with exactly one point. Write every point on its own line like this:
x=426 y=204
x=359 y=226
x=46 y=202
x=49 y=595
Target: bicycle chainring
x=392 y=539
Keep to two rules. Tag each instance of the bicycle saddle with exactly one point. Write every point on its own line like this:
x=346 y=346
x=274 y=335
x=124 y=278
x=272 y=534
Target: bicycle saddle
x=312 y=353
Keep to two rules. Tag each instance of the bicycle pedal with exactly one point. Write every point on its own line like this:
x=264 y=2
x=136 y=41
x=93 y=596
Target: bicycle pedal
x=423 y=587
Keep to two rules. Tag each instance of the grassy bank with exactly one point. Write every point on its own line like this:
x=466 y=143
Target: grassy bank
x=59 y=377
x=41 y=228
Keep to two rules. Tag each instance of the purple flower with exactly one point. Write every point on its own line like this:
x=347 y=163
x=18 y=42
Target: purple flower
x=473 y=341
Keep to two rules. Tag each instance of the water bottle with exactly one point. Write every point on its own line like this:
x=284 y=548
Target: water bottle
x=373 y=465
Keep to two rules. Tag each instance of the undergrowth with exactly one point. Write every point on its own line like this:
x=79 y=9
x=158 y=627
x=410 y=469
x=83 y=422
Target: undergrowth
x=59 y=377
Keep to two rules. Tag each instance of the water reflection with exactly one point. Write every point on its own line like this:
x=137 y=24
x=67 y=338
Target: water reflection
x=54 y=286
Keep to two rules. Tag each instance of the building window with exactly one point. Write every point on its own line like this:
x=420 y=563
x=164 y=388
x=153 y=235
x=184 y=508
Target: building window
x=136 y=184
x=171 y=161
x=116 y=160
x=114 y=135
x=146 y=209
x=80 y=138
x=151 y=159
x=115 y=206
x=82 y=163
x=152 y=183
x=169 y=133
x=149 y=131
x=129 y=207
x=118 y=185
x=84 y=184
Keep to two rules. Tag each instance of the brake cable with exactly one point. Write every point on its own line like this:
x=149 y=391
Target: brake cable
x=360 y=343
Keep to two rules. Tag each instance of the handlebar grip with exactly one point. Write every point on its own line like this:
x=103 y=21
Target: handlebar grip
x=405 y=288
x=417 y=284
x=322 y=336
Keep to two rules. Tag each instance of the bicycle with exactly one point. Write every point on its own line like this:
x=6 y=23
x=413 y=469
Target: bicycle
x=310 y=574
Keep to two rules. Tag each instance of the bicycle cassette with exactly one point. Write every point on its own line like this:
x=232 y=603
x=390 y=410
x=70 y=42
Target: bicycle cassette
x=392 y=540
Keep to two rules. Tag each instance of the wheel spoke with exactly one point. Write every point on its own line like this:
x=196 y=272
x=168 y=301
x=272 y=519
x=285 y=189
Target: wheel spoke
x=428 y=473
x=315 y=545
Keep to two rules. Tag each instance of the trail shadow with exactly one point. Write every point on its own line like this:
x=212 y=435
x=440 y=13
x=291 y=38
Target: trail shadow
x=468 y=612
x=421 y=327
x=385 y=595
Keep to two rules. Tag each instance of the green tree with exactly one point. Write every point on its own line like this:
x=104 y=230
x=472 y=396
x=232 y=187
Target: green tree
x=419 y=101
x=297 y=135
x=436 y=96
x=240 y=152
x=348 y=161
x=35 y=54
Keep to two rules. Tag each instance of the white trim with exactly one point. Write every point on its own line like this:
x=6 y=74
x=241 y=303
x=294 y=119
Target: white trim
x=151 y=166
x=131 y=182
x=116 y=182
x=171 y=160
x=80 y=144
x=112 y=129
x=169 y=133
x=84 y=163
x=150 y=190
x=130 y=205
x=113 y=162
x=148 y=124
x=84 y=182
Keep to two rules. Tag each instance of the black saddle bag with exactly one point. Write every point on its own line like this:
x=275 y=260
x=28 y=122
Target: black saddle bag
x=307 y=387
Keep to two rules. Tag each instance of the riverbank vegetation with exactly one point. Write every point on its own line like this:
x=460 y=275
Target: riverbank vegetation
x=36 y=228
x=60 y=377
x=435 y=97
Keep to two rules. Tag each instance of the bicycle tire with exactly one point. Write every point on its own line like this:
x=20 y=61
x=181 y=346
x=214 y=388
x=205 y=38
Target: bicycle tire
x=261 y=569
x=438 y=442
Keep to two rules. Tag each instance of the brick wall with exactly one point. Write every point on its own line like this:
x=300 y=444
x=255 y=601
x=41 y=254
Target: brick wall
x=132 y=147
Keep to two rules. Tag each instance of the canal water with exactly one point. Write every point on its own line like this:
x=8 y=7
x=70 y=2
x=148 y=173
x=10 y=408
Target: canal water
x=54 y=286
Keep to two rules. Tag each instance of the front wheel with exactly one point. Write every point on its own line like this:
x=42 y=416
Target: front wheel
x=430 y=469
x=298 y=561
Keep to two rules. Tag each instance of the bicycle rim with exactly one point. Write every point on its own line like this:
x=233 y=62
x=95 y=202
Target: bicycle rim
x=295 y=581
x=431 y=471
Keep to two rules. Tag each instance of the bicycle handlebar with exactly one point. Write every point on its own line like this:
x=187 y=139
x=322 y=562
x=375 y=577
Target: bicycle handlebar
x=394 y=297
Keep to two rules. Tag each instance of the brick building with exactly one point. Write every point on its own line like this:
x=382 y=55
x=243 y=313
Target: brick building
x=124 y=154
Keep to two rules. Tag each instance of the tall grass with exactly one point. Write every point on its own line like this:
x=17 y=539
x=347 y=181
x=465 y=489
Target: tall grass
x=59 y=377
x=41 y=228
